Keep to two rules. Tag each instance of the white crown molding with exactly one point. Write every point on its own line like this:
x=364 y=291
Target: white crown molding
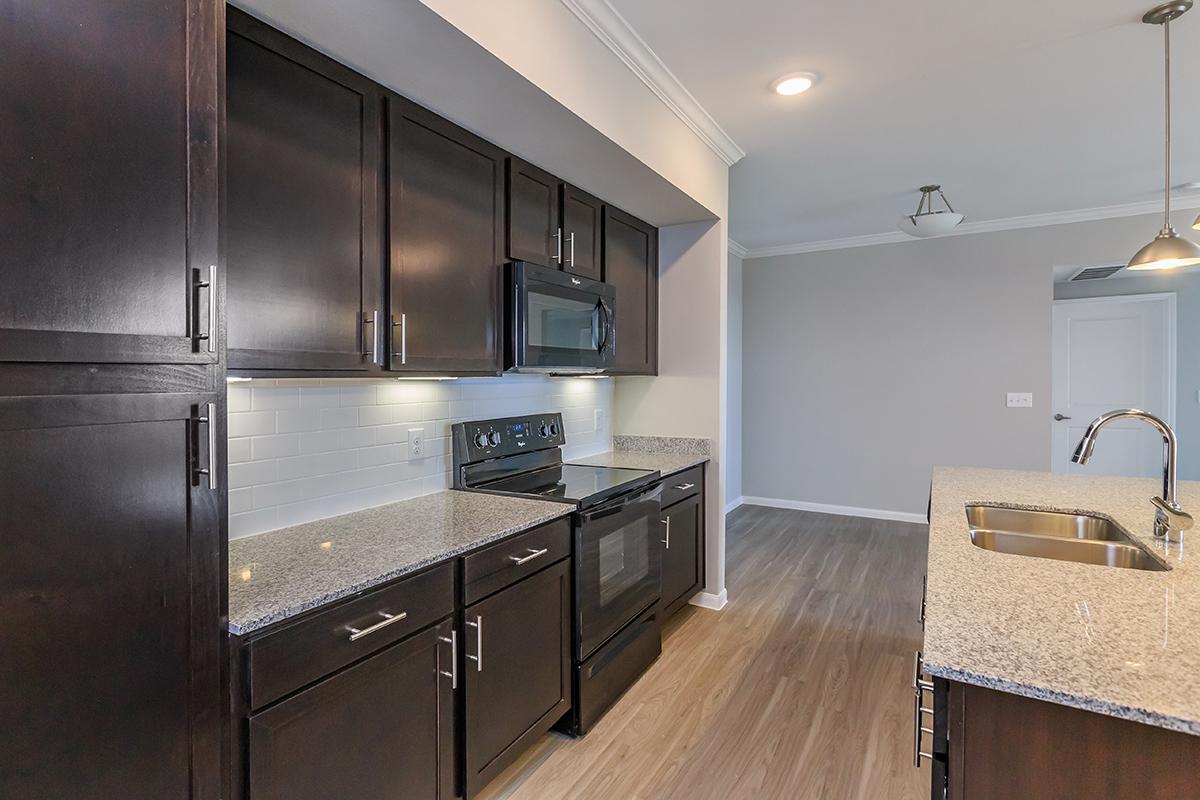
x=984 y=226
x=618 y=36
x=737 y=249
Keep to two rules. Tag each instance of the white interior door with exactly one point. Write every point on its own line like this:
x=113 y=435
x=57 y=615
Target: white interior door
x=1113 y=352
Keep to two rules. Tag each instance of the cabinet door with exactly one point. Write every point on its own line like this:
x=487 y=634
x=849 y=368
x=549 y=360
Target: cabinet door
x=533 y=228
x=381 y=730
x=518 y=670
x=446 y=219
x=631 y=265
x=110 y=599
x=581 y=225
x=109 y=198
x=305 y=252
x=683 y=543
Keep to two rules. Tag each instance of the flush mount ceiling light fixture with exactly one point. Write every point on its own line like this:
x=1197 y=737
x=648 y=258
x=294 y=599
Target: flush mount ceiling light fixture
x=794 y=83
x=1168 y=249
x=928 y=222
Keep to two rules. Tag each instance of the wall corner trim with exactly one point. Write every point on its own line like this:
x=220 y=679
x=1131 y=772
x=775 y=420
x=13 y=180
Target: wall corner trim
x=713 y=602
x=612 y=29
x=983 y=226
x=736 y=249
x=826 y=508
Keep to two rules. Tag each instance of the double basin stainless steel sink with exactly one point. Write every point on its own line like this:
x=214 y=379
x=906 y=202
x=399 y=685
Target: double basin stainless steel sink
x=1083 y=538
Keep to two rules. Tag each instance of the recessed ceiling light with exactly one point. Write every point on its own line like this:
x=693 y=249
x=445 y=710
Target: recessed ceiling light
x=794 y=83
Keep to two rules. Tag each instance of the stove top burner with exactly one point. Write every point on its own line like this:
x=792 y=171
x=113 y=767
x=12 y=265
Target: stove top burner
x=572 y=483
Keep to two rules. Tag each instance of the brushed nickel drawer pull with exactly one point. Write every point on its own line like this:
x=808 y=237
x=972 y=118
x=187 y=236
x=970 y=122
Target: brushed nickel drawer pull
x=388 y=619
x=667 y=541
x=478 y=657
x=519 y=560
x=453 y=673
x=683 y=487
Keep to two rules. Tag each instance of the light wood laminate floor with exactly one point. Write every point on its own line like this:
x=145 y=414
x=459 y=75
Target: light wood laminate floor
x=797 y=689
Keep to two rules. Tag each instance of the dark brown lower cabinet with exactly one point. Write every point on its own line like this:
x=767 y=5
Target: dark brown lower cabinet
x=111 y=630
x=682 y=553
x=993 y=745
x=382 y=729
x=517 y=675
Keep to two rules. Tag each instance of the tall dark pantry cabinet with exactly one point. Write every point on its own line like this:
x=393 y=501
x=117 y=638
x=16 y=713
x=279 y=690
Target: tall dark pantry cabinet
x=112 y=542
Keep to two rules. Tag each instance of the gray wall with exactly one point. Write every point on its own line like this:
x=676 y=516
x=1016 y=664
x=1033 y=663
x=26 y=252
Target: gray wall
x=864 y=368
x=733 y=410
x=1186 y=286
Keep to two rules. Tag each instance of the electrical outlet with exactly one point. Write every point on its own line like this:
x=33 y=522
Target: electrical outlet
x=598 y=419
x=1020 y=400
x=416 y=442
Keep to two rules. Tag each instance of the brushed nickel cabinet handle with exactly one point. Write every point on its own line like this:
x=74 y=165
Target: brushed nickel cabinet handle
x=403 y=326
x=558 y=246
x=373 y=321
x=478 y=657
x=572 y=240
x=519 y=560
x=209 y=420
x=388 y=619
x=683 y=487
x=211 y=284
x=453 y=673
x=667 y=541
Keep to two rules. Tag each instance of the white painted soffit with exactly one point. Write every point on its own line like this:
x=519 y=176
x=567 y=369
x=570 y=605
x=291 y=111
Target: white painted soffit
x=616 y=34
x=984 y=226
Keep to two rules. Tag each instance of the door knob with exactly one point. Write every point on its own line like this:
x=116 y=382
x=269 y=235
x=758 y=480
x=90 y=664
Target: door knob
x=1060 y=417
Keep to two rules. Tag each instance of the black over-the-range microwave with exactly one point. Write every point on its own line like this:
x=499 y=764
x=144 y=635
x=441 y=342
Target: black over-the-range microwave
x=557 y=322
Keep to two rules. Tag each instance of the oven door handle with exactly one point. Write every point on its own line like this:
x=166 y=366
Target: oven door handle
x=622 y=504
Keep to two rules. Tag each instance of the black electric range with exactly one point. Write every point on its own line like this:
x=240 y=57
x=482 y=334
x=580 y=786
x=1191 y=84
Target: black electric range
x=616 y=551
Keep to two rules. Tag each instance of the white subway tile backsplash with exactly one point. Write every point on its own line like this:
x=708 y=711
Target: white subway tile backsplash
x=251 y=423
x=277 y=446
x=305 y=449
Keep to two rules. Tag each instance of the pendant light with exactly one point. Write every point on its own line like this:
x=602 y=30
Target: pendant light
x=927 y=222
x=1168 y=250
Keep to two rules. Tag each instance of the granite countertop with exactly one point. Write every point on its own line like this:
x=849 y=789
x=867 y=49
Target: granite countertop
x=1122 y=642
x=276 y=575
x=667 y=454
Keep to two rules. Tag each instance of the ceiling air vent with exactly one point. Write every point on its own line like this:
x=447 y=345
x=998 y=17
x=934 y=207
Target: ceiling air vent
x=1096 y=273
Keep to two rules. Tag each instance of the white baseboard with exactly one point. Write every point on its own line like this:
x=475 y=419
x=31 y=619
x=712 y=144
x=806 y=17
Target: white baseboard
x=713 y=602
x=734 y=503
x=826 y=508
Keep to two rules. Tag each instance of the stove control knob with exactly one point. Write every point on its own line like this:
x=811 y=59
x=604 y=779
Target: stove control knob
x=481 y=439
x=544 y=431
x=493 y=438
x=554 y=429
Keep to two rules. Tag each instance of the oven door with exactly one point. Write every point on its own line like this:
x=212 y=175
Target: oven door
x=560 y=322
x=618 y=562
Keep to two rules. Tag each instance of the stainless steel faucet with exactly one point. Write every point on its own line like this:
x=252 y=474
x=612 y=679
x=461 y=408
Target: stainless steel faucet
x=1170 y=521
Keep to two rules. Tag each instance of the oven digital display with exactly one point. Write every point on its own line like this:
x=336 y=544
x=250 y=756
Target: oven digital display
x=519 y=430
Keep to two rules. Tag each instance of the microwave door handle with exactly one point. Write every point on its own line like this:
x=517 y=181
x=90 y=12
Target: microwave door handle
x=607 y=326
x=596 y=328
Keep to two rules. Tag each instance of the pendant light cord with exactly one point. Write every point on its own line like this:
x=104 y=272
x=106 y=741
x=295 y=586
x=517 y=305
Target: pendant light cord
x=1167 y=83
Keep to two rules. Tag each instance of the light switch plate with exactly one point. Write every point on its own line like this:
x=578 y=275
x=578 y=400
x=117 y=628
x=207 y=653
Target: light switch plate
x=416 y=442
x=1020 y=400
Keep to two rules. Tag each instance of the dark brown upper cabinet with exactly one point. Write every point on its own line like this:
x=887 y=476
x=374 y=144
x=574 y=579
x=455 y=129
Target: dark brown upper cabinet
x=111 y=606
x=552 y=223
x=304 y=235
x=631 y=265
x=582 y=220
x=446 y=225
x=110 y=196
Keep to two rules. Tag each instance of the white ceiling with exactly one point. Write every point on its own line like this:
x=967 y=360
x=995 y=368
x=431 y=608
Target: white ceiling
x=1017 y=107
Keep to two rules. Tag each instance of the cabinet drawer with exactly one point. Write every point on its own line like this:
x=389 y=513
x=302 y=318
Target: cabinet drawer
x=495 y=567
x=682 y=484
x=288 y=659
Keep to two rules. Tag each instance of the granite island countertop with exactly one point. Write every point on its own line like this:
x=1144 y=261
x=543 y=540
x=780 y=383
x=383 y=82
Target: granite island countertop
x=1122 y=642
x=282 y=573
x=667 y=454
